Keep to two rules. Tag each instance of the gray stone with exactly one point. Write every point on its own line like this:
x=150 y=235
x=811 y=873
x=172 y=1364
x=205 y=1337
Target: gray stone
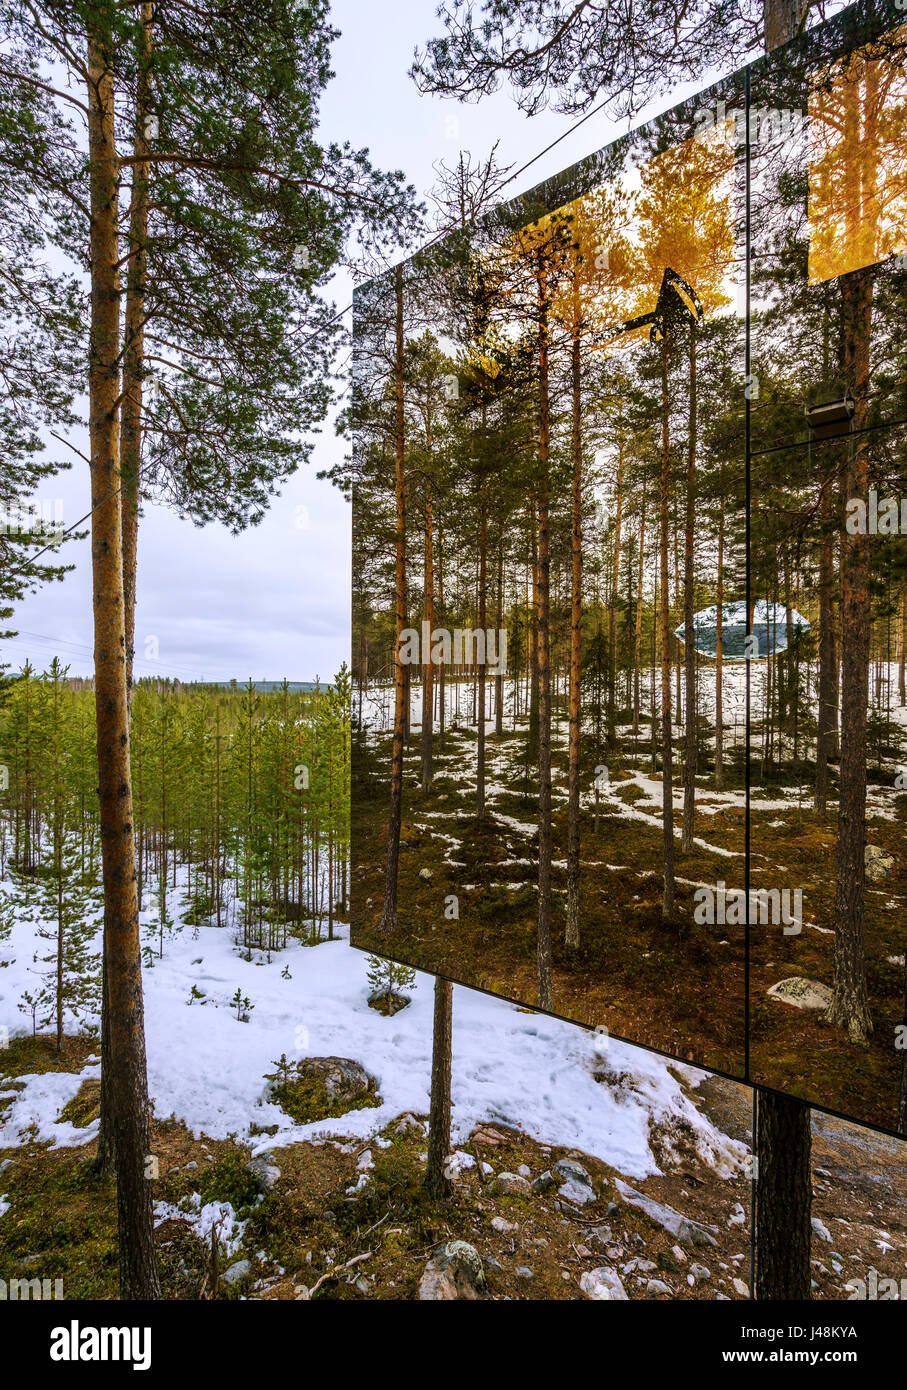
x=265 y=1174
x=598 y=1238
x=687 y=1232
x=603 y=1284
x=821 y=1229
x=454 y=1271
x=511 y=1185
x=801 y=992
x=878 y=863
x=544 y=1182
x=236 y=1272
x=576 y=1184
x=657 y=1286
x=700 y=1272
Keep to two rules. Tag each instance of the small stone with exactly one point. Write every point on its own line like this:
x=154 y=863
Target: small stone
x=524 y=1171
x=699 y=1271
x=426 y=875
x=504 y=1226
x=603 y=1284
x=237 y=1272
x=454 y=1271
x=657 y=1286
x=741 y=1288
x=544 y=1182
x=511 y=1185
x=525 y=1272
x=821 y=1229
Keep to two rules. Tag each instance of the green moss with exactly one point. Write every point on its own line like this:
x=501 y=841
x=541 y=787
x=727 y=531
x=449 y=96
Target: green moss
x=85 y=1105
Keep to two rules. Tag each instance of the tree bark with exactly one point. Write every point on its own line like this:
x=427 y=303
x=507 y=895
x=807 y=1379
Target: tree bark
x=689 y=650
x=783 y=1198
x=437 y=1179
x=545 y=986
x=127 y=1074
x=572 y=933
x=667 y=907
x=401 y=685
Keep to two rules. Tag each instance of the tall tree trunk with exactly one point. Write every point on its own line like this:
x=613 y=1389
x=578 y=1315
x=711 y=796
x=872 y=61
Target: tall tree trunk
x=637 y=636
x=783 y=1198
x=719 y=656
x=689 y=650
x=667 y=780
x=428 y=623
x=482 y=666
x=401 y=685
x=499 y=673
x=130 y=454
x=572 y=935
x=125 y=1061
x=850 y=1003
x=828 y=673
x=545 y=986
x=437 y=1179
x=782 y=1139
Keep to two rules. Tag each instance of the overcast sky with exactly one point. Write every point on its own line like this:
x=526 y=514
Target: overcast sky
x=274 y=602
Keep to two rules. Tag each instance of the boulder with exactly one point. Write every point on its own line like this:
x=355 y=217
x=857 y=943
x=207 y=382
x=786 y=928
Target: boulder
x=603 y=1283
x=878 y=863
x=576 y=1185
x=511 y=1185
x=802 y=993
x=453 y=1272
x=688 y=1232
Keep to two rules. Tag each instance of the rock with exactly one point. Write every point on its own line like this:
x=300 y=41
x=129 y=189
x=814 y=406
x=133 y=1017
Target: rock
x=500 y=1223
x=741 y=1288
x=576 y=1184
x=603 y=1283
x=700 y=1272
x=525 y=1272
x=7 y=1164
x=511 y=1185
x=657 y=1286
x=679 y=1254
x=265 y=1174
x=645 y=1266
x=191 y=1165
x=236 y=1272
x=821 y=1229
x=544 y=1182
x=524 y=1170
x=454 y=1271
x=687 y=1232
x=737 y=1216
x=344 y=1080
x=301 y=1293
x=801 y=992
x=426 y=875
x=598 y=1238
x=878 y=863
x=408 y=1124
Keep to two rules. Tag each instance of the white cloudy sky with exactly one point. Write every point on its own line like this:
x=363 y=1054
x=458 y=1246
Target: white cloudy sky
x=275 y=601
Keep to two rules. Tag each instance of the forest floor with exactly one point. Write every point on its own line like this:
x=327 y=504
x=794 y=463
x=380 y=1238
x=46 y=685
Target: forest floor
x=255 y=1198
x=680 y=988
x=349 y=1217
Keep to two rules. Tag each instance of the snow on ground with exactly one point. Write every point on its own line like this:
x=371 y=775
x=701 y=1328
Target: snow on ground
x=207 y=1069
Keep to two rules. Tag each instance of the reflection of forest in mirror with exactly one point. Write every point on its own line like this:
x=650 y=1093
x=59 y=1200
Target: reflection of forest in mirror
x=552 y=409
x=545 y=401
x=857 y=165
